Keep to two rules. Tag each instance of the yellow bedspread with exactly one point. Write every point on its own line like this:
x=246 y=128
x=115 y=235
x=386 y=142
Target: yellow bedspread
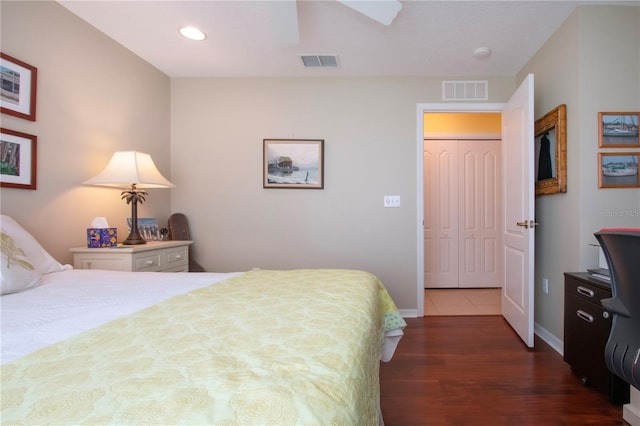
x=266 y=347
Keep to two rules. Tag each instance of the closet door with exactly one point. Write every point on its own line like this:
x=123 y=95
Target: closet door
x=479 y=201
x=440 y=214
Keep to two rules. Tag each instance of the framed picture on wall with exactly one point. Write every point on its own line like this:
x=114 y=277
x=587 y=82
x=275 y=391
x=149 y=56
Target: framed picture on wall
x=293 y=163
x=551 y=152
x=618 y=130
x=18 y=97
x=18 y=157
x=618 y=170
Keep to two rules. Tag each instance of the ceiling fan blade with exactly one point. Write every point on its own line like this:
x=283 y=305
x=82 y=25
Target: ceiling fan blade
x=284 y=21
x=383 y=11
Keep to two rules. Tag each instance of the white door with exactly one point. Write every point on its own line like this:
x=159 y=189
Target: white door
x=480 y=196
x=518 y=208
x=440 y=159
x=462 y=211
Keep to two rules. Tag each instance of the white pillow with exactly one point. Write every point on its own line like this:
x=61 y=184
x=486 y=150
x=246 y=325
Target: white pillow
x=16 y=272
x=35 y=254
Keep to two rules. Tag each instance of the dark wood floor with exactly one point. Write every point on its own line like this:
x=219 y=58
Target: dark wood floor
x=476 y=371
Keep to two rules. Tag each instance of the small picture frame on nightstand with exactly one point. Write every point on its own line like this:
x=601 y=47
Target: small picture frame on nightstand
x=148 y=228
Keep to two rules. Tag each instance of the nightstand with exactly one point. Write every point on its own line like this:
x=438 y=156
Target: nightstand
x=155 y=256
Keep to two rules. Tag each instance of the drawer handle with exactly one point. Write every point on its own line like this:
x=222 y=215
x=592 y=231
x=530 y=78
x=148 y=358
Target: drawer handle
x=178 y=256
x=584 y=316
x=585 y=291
x=149 y=262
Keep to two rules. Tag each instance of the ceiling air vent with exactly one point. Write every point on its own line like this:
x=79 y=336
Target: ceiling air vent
x=465 y=90
x=319 y=61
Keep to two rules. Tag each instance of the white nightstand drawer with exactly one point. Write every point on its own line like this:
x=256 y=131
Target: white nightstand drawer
x=176 y=257
x=115 y=263
x=150 y=262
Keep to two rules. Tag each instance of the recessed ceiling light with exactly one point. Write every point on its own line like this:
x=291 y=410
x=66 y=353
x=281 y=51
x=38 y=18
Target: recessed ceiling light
x=192 y=33
x=482 y=52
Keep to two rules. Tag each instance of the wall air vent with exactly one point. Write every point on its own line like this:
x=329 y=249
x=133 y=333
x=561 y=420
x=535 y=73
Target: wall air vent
x=319 y=61
x=465 y=90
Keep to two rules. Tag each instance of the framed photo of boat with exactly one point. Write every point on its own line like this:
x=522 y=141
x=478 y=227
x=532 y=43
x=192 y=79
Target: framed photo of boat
x=618 y=130
x=618 y=170
x=293 y=163
x=18 y=96
x=18 y=159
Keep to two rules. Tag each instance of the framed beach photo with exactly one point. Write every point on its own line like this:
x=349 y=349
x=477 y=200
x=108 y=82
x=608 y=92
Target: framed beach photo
x=18 y=158
x=618 y=170
x=148 y=228
x=18 y=95
x=293 y=163
x=618 y=130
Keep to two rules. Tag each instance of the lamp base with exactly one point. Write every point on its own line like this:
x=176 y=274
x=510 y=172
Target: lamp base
x=131 y=242
x=134 y=196
x=134 y=239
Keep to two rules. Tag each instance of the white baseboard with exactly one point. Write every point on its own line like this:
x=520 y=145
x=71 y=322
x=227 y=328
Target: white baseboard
x=408 y=313
x=631 y=415
x=631 y=411
x=549 y=338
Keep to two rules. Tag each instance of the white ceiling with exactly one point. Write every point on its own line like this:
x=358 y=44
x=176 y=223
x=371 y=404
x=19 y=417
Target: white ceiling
x=427 y=38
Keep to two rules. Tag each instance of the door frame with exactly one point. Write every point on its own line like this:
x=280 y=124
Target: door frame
x=421 y=109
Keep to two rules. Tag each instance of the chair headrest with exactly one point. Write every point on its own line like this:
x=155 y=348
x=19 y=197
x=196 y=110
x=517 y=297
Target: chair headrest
x=619 y=230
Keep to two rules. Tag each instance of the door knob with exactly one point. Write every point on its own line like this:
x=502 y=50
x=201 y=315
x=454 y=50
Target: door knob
x=527 y=224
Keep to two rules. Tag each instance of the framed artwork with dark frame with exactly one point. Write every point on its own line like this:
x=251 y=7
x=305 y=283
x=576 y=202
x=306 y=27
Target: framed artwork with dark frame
x=618 y=170
x=551 y=152
x=618 y=130
x=293 y=163
x=18 y=158
x=19 y=82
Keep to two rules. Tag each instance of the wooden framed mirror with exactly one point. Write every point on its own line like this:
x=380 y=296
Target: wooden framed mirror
x=551 y=152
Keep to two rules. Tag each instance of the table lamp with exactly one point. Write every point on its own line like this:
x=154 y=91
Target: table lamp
x=131 y=170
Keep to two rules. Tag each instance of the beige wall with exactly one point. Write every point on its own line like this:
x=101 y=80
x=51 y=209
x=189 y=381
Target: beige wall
x=94 y=97
x=591 y=64
x=370 y=131
x=609 y=81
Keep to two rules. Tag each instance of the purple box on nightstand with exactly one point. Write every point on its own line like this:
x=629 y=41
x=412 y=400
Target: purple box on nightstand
x=102 y=237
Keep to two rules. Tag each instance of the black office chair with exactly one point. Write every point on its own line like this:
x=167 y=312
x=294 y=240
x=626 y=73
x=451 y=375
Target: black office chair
x=621 y=248
x=179 y=231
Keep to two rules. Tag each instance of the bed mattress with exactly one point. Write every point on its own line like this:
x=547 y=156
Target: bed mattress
x=261 y=347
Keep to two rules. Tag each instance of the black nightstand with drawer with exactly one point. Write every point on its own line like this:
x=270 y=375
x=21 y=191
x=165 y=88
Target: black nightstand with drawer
x=586 y=330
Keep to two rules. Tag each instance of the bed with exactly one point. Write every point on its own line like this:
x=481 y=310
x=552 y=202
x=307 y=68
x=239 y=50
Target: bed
x=256 y=347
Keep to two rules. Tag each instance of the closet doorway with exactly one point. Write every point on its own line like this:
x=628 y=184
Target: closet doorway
x=462 y=200
x=517 y=209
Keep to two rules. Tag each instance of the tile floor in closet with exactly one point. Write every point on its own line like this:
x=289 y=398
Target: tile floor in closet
x=462 y=301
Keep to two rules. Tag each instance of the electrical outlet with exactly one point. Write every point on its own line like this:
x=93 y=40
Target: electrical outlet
x=545 y=285
x=392 y=201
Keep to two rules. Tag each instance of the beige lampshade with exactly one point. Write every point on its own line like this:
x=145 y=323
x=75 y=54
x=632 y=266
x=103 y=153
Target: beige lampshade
x=127 y=168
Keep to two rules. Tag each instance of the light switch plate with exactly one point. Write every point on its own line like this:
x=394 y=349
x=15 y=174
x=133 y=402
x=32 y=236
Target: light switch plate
x=392 y=201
